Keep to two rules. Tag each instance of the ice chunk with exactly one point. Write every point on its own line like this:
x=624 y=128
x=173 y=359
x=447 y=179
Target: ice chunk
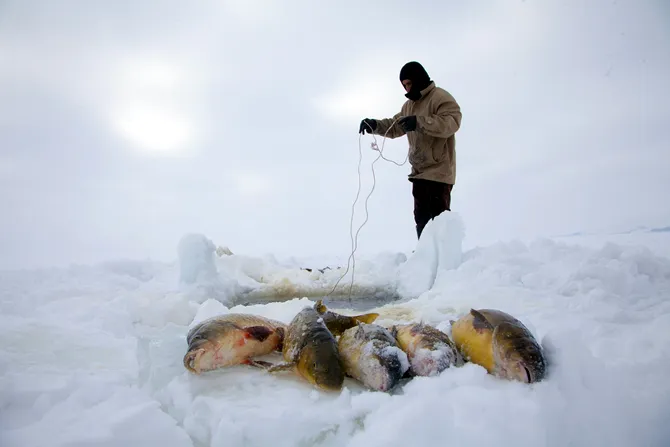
x=196 y=259
x=438 y=251
x=223 y=251
x=198 y=272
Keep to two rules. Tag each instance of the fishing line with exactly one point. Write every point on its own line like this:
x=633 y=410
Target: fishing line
x=354 y=239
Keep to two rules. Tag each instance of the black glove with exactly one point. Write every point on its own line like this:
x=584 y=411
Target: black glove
x=408 y=123
x=367 y=125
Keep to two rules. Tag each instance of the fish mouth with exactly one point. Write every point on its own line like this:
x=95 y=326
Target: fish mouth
x=329 y=383
x=522 y=373
x=192 y=360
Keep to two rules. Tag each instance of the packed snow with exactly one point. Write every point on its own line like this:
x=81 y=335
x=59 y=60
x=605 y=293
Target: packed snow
x=92 y=355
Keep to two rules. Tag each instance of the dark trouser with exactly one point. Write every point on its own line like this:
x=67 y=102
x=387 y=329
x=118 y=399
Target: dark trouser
x=430 y=199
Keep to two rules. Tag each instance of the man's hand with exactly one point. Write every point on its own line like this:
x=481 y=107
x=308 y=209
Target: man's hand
x=367 y=125
x=408 y=123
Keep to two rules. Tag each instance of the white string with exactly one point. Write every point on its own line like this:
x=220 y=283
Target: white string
x=354 y=240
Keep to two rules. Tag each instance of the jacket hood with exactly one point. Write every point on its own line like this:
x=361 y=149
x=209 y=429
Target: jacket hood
x=415 y=72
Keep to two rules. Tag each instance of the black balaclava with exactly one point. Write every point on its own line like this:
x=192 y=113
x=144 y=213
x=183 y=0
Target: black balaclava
x=415 y=72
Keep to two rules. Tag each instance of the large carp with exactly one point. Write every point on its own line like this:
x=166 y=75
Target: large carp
x=338 y=323
x=371 y=355
x=429 y=350
x=310 y=350
x=232 y=339
x=501 y=344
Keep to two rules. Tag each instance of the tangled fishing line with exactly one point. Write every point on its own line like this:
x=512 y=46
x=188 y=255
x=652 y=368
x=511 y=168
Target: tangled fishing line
x=354 y=239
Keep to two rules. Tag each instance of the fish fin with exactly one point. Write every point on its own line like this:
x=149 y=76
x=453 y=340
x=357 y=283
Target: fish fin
x=284 y=366
x=260 y=333
x=259 y=364
x=479 y=321
x=360 y=334
x=394 y=331
x=319 y=307
x=282 y=333
x=366 y=318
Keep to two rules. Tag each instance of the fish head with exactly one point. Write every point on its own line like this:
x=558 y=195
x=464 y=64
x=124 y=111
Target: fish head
x=320 y=363
x=432 y=359
x=200 y=356
x=203 y=344
x=517 y=354
x=384 y=368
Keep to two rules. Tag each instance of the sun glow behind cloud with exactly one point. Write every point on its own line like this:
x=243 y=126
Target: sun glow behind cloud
x=543 y=87
x=152 y=128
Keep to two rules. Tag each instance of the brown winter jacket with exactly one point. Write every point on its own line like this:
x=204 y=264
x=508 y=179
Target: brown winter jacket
x=432 y=146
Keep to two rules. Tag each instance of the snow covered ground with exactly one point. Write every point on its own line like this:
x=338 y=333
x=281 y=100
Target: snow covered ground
x=92 y=355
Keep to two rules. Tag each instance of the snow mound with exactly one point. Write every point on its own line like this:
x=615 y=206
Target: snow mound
x=92 y=355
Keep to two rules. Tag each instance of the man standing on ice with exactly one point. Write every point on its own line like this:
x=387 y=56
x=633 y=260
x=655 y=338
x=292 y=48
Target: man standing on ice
x=430 y=118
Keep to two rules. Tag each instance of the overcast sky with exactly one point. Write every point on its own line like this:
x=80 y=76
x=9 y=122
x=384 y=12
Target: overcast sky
x=126 y=124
